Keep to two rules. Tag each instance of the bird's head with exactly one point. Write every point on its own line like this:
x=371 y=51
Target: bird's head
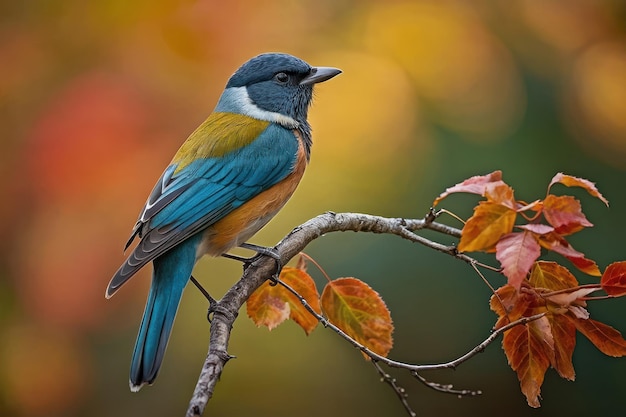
x=274 y=87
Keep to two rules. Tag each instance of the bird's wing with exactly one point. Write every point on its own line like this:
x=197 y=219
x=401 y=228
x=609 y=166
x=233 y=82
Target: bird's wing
x=189 y=199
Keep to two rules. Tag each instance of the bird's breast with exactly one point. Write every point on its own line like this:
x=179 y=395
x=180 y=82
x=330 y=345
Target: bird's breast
x=240 y=224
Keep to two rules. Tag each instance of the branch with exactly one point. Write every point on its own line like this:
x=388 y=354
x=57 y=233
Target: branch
x=225 y=310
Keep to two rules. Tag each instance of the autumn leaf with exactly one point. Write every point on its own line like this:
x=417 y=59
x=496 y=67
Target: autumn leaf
x=572 y=302
x=532 y=348
x=517 y=252
x=613 y=280
x=608 y=340
x=501 y=193
x=556 y=243
x=503 y=300
x=509 y=304
x=487 y=225
x=570 y=181
x=529 y=349
x=565 y=214
x=585 y=265
x=552 y=276
x=564 y=335
x=473 y=185
x=537 y=228
x=270 y=305
x=358 y=310
x=267 y=306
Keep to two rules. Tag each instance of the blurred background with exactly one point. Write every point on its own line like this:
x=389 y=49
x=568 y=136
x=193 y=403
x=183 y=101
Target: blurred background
x=95 y=98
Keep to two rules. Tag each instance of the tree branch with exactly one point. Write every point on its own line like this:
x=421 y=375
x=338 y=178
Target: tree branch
x=225 y=310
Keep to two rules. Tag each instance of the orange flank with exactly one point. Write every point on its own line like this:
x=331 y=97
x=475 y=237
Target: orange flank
x=243 y=222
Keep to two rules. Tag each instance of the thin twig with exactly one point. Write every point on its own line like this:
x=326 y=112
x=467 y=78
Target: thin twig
x=445 y=388
x=411 y=367
x=595 y=287
x=481 y=347
x=400 y=392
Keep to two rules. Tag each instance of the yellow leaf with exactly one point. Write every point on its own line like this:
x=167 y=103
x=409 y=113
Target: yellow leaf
x=487 y=225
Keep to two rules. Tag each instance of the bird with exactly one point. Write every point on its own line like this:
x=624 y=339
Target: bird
x=227 y=180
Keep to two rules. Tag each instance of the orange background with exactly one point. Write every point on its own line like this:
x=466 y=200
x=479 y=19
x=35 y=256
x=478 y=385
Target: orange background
x=97 y=96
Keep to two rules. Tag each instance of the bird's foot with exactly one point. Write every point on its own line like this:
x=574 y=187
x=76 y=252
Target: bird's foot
x=260 y=251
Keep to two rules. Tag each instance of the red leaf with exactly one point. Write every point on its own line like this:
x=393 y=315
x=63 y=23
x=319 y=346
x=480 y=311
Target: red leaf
x=564 y=333
x=608 y=340
x=517 y=252
x=473 y=185
x=570 y=181
x=613 y=280
x=487 y=225
x=565 y=214
x=556 y=243
x=530 y=351
x=585 y=265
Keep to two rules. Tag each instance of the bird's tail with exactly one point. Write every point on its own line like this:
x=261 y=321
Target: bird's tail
x=171 y=274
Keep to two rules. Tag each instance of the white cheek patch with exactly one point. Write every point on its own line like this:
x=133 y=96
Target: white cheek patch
x=237 y=100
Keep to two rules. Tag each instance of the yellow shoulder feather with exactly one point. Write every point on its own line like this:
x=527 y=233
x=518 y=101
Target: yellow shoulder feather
x=219 y=134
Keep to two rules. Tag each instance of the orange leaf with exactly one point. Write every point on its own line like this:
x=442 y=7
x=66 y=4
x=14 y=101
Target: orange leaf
x=487 y=225
x=613 y=280
x=558 y=244
x=608 y=340
x=570 y=181
x=503 y=300
x=552 y=276
x=358 y=310
x=530 y=351
x=509 y=304
x=501 y=193
x=564 y=334
x=267 y=306
x=473 y=185
x=270 y=305
x=517 y=252
x=565 y=214
x=585 y=265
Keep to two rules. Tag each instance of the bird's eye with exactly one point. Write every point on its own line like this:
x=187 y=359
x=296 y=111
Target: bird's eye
x=281 y=77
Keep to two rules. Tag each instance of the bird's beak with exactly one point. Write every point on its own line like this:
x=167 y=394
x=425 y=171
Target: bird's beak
x=320 y=74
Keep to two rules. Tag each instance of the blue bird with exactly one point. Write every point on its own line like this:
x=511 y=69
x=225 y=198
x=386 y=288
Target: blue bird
x=227 y=180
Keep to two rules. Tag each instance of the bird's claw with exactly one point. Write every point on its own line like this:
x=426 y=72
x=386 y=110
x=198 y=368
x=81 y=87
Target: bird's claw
x=260 y=251
x=216 y=307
